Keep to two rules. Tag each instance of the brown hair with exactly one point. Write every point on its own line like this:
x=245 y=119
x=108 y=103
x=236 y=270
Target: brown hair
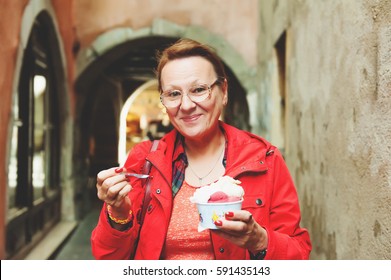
x=187 y=48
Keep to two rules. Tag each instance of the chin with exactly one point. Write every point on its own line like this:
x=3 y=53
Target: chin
x=191 y=132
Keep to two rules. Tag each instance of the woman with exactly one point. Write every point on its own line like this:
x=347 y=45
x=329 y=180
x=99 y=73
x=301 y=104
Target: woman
x=199 y=151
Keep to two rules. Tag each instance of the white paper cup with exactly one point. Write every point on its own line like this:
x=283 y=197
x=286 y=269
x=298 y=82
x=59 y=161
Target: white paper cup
x=211 y=212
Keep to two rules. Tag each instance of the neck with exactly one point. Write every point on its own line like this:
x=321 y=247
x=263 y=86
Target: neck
x=205 y=160
x=208 y=146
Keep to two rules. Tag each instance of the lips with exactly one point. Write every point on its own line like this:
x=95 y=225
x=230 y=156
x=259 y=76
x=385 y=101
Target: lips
x=191 y=118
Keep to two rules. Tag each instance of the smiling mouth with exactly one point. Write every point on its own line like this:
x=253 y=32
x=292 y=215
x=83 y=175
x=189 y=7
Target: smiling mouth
x=191 y=118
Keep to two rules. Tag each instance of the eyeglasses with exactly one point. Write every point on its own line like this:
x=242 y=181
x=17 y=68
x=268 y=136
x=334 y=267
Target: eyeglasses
x=173 y=98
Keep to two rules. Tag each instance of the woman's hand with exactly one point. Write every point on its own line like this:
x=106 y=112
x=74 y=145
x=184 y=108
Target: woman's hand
x=113 y=188
x=240 y=228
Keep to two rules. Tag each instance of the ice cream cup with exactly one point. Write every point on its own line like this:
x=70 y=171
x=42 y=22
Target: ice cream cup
x=211 y=212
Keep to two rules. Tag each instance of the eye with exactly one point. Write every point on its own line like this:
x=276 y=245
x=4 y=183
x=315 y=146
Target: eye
x=173 y=93
x=199 y=90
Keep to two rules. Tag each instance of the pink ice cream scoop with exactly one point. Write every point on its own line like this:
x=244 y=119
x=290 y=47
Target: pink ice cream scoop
x=216 y=199
x=226 y=189
x=220 y=197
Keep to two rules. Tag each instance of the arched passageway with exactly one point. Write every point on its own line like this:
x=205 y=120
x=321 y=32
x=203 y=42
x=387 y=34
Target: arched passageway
x=103 y=87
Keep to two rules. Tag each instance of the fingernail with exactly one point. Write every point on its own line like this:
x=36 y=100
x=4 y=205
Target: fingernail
x=119 y=170
x=127 y=179
x=218 y=223
x=229 y=214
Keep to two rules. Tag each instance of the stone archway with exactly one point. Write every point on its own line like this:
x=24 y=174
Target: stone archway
x=121 y=60
x=114 y=44
x=113 y=38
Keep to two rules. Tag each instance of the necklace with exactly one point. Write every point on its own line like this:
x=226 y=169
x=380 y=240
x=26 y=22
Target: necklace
x=210 y=171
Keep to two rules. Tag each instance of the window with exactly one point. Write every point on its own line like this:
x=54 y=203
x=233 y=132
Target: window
x=34 y=192
x=278 y=129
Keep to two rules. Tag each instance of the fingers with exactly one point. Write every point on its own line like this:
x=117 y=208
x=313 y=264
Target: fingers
x=105 y=174
x=236 y=223
x=124 y=191
x=117 y=190
x=232 y=218
x=114 y=180
x=112 y=186
x=119 y=169
x=241 y=215
x=240 y=228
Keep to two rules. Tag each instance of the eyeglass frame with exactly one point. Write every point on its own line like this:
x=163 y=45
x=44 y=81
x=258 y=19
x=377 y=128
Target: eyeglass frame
x=209 y=89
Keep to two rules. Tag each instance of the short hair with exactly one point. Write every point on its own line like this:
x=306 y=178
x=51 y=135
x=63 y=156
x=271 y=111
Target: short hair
x=187 y=48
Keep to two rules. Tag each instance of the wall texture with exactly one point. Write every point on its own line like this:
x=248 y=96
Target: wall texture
x=235 y=22
x=338 y=123
x=9 y=25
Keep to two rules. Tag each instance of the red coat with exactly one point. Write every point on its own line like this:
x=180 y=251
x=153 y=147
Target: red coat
x=270 y=196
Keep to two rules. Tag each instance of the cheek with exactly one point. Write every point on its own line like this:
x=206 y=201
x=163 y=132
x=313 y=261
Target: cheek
x=172 y=113
x=215 y=107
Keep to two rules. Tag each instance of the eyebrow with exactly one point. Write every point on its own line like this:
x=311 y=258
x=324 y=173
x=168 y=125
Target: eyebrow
x=194 y=83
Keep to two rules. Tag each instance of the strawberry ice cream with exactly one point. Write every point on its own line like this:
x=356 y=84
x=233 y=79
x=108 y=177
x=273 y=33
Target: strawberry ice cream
x=216 y=199
x=226 y=189
x=220 y=197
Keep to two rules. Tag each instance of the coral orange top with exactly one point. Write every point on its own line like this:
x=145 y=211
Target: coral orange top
x=183 y=241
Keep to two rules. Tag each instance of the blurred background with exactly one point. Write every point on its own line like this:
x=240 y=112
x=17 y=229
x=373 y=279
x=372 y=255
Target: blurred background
x=78 y=91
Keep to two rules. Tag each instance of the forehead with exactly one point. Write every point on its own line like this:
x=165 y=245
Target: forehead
x=187 y=70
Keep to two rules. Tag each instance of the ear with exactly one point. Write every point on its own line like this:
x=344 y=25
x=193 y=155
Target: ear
x=224 y=88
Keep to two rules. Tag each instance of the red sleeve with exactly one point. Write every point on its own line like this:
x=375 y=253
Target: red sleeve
x=287 y=240
x=107 y=242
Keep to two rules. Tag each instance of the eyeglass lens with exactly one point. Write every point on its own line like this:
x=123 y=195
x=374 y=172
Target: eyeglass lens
x=198 y=93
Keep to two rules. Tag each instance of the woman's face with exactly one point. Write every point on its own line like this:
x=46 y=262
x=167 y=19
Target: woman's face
x=194 y=120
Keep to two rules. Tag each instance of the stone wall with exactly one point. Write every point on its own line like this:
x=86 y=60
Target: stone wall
x=337 y=118
x=233 y=20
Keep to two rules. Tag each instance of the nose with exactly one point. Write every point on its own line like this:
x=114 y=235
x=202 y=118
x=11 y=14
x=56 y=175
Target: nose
x=186 y=102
